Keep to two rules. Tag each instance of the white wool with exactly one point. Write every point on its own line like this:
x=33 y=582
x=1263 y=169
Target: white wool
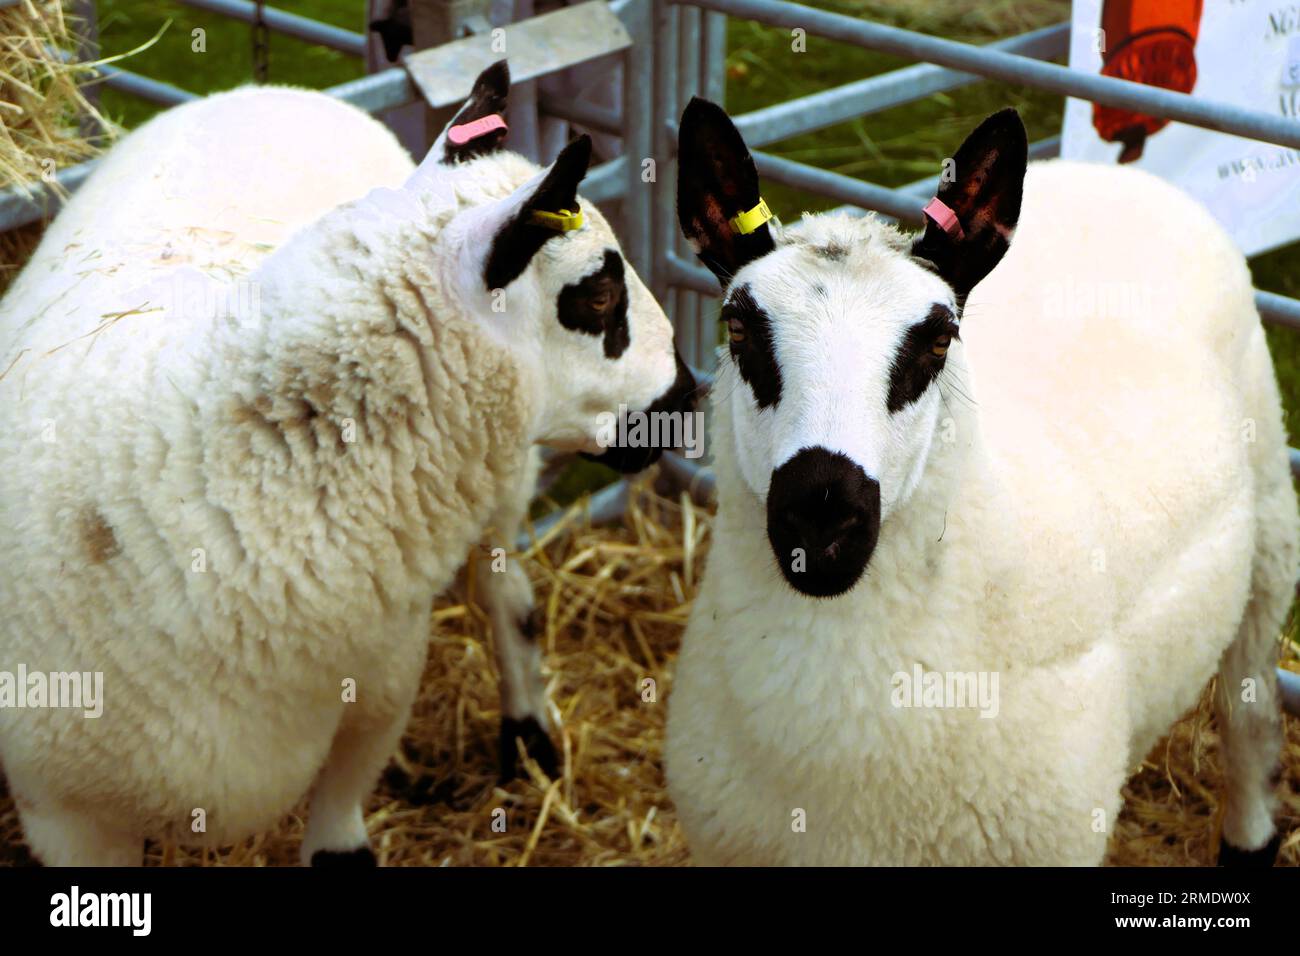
x=1097 y=536
x=241 y=512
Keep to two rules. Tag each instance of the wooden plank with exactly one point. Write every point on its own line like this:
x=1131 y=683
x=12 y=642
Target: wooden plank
x=534 y=47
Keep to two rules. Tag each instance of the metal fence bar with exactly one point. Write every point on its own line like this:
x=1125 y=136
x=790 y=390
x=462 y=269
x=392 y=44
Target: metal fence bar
x=665 y=108
x=155 y=91
x=606 y=505
x=289 y=24
x=638 y=137
x=607 y=182
x=21 y=207
x=681 y=272
x=1015 y=69
x=713 y=57
x=878 y=93
x=686 y=310
x=377 y=92
x=846 y=189
x=828 y=107
x=593 y=117
x=1278 y=309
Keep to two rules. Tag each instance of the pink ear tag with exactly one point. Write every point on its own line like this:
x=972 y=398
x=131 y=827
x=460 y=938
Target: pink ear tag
x=467 y=132
x=943 y=217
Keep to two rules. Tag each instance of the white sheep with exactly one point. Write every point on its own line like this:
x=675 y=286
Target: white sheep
x=244 y=448
x=1067 y=516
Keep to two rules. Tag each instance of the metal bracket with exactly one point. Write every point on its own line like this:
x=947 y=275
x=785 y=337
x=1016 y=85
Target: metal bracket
x=535 y=47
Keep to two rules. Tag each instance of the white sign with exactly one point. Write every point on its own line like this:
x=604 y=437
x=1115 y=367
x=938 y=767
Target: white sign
x=1243 y=52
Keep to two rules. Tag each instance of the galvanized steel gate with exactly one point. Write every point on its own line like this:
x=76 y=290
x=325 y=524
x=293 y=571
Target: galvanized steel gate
x=676 y=48
x=680 y=282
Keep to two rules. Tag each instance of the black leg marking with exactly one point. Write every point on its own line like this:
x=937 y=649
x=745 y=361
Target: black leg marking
x=23 y=857
x=1275 y=777
x=1266 y=855
x=362 y=858
x=532 y=625
x=537 y=744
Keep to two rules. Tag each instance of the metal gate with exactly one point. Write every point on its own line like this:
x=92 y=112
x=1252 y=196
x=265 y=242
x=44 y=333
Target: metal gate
x=681 y=284
x=676 y=49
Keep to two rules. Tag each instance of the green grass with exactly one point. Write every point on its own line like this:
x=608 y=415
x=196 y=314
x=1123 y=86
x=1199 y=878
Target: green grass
x=228 y=60
x=893 y=147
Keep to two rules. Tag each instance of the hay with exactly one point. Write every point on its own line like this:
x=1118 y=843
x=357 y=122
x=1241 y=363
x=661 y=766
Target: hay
x=41 y=103
x=615 y=602
x=46 y=123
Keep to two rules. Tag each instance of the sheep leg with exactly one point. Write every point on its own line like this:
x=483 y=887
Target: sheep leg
x=336 y=829
x=1247 y=703
x=59 y=837
x=507 y=596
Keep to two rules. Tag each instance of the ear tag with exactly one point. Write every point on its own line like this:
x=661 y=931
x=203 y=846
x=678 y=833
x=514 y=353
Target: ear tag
x=942 y=216
x=563 y=220
x=749 y=221
x=475 y=129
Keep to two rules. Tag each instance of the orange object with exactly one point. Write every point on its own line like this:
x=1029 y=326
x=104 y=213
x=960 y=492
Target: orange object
x=1151 y=42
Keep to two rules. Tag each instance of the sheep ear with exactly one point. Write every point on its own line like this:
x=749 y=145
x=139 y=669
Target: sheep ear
x=983 y=188
x=716 y=180
x=488 y=99
x=515 y=244
x=394 y=30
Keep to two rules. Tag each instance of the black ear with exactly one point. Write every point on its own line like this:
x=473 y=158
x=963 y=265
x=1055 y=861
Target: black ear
x=520 y=238
x=984 y=191
x=716 y=180
x=461 y=140
x=395 y=30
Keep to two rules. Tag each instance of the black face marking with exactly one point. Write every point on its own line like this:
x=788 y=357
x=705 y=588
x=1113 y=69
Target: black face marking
x=754 y=355
x=519 y=239
x=679 y=398
x=832 y=252
x=597 y=305
x=915 y=363
x=823 y=520
x=489 y=96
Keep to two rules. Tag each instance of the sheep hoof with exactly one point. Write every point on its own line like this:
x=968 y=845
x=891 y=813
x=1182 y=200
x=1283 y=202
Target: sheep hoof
x=537 y=744
x=1266 y=855
x=362 y=858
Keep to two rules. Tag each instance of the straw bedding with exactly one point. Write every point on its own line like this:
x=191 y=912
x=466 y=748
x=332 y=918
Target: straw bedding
x=616 y=600
x=46 y=121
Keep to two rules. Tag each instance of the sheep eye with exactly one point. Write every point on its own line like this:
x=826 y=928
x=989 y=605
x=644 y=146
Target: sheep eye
x=735 y=330
x=602 y=300
x=940 y=347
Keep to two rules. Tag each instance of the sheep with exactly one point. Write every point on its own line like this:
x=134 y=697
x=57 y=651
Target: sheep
x=982 y=534
x=264 y=388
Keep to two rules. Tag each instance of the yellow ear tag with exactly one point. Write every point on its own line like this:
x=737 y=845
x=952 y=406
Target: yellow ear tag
x=563 y=220
x=746 y=222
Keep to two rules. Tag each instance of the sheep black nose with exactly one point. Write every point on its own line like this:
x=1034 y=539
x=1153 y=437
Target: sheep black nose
x=677 y=401
x=823 y=518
